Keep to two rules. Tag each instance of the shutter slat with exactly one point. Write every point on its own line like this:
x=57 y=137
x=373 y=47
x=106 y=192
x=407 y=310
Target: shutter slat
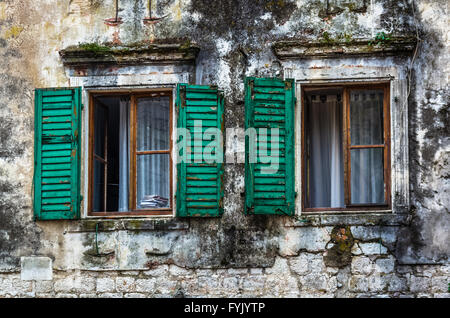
x=269 y=103
x=57 y=157
x=199 y=182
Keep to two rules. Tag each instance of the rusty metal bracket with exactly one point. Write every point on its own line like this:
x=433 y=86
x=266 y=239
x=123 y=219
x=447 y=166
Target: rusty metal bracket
x=151 y=19
x=116 y=20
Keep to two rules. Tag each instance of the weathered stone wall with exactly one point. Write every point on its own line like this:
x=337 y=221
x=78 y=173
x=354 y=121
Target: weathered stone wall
x=337 y=255
x=305 y=275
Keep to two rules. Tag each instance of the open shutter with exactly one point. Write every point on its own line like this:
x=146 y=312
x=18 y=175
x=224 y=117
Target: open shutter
x=57 y=154
x=269 y=103
x=200 y=181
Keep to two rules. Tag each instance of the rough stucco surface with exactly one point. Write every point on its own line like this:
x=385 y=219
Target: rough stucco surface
x=331 y=256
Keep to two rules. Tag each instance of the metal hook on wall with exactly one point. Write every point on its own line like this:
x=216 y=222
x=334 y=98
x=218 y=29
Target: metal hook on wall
x=151 y=19
x=116 y=20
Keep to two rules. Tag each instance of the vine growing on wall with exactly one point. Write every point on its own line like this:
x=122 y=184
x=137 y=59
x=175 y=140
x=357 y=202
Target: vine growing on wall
x=380 y=39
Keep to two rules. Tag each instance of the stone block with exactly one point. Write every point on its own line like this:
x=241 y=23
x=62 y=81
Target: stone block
x=385 y=265
x=419 y=284
x=361 y=265
x=125 y=284
x=359 y=283
x=440 y=284
x=372 y=248
x=106 y=285
x=145 y=285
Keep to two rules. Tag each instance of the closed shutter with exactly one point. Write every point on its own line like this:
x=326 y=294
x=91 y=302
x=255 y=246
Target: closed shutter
x=57 y=154
x=200 y=181
x=269 y=103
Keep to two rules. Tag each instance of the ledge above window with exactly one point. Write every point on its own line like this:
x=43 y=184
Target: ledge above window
x=292 y=49
x=134 y=54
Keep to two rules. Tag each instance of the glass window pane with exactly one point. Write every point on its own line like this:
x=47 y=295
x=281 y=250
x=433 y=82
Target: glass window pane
x=100 y=116
x=153 y=181
x=153 y=123
x=99 y=187
x=366 y=117
x=367 y=176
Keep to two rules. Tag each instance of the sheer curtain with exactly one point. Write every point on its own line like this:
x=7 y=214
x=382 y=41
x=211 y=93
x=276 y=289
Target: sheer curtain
x=153 y=170
x=326 y=161
x=366 y=123
x=124 y=153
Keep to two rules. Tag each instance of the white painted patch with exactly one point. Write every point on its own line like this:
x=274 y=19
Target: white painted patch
x=266 y=16
x=196 y=16
x=371 y=20
x=223 y=46
x=36 y=268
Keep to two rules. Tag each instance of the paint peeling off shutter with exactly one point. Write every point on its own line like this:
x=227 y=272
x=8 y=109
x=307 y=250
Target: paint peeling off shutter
x=57 y=154
x=269 y=103
x=200 y=181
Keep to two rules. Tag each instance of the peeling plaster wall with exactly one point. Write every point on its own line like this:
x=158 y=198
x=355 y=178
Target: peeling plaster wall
x=235 y=38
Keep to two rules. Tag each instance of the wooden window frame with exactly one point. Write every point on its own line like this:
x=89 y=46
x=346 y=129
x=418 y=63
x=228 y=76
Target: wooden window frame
x=134 y=96
x=346 y=87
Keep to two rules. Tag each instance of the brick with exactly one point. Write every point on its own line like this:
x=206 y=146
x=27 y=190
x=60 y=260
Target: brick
x=361 y=265
x=237 y=271
x=396 y=283
x=134 y=295
x=179 y=271
x=20 y=287
x=256 y=271
x=65 y=295
x=377 y=282
x=125 y=284
x=300 y=264
x=145 y=285
x=255 y=284
x=280 y=267
x=106 y=285
x=110 y=295
x=314 y=282
x=158 y=271
x=440 y=284
x=230 y=284
x=419 y=284
x=359 y=283
x=208 y=283
x=88 y=295
x=44 y=286
x=76 y=283
x=385 y=265
x=372 y=248
x=313 y=238
x=166 y=286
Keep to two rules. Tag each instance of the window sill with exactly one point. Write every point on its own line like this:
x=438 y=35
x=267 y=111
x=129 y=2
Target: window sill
x=138 y=213
x=127 y=223
x=331 y=218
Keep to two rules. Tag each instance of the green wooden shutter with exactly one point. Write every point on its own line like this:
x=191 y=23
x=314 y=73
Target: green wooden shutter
x=270 y=103
x=57 y=154
x=199 y=184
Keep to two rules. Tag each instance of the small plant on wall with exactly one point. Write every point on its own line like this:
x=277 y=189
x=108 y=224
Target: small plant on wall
x=380 y=38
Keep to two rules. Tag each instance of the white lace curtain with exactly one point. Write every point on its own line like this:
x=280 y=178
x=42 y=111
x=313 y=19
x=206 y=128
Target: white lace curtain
x=124 y=153
x=326 y=165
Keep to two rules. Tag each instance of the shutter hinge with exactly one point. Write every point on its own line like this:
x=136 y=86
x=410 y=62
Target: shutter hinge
x=296 y=194
x=82 y=106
